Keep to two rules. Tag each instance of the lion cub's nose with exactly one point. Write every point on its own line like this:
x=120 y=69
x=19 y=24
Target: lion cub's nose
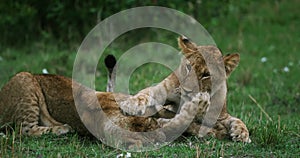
x=184 y=39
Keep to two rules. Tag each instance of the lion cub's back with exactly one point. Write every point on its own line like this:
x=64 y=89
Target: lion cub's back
x=14 y=92
x=58 y=94
x=57 y=91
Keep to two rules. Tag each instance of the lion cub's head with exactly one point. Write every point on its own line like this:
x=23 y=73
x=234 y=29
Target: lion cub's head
x=194 y=55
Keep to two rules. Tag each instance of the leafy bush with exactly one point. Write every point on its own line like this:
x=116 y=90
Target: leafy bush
x=70 y=20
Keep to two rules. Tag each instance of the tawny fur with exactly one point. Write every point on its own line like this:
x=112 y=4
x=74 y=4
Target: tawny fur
x=41 y=104
x=168 y=91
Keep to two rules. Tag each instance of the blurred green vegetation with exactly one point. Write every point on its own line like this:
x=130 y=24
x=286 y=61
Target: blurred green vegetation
x=69 y=21
x=47 y=34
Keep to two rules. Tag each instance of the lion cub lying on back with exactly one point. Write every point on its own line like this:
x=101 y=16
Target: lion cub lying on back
x=42 y=104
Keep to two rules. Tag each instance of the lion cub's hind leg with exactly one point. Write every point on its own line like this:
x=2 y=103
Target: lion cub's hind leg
x=23 y=103
x=29 y=119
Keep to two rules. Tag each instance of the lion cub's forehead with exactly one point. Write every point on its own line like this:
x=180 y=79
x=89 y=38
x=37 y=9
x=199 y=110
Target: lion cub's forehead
x=210 y=52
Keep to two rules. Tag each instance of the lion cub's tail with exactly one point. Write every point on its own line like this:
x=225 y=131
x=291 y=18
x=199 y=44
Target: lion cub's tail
x=110 y=63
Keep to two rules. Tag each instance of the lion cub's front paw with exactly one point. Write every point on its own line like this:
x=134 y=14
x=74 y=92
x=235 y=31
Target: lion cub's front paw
x=63 y=129
x=193 y=101
x=132 y=106
x=141 y=105
x=238 y=131
x=204 y=97
x=199 y=98
x=162 y=121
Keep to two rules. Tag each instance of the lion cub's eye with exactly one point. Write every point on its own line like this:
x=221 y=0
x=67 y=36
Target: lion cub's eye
x=188 y=67
x=205 y=75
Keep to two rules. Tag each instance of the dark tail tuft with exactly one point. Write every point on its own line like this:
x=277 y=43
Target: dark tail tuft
x=110 y=63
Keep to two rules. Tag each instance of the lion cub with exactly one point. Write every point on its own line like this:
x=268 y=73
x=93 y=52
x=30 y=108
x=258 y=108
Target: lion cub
x=167 y=93
x=41 y=104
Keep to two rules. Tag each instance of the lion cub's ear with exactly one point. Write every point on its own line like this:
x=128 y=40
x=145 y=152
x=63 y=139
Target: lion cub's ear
x=231 y=61
x=185 y=44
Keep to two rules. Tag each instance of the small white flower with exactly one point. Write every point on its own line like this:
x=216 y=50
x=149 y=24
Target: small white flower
x=120 y=155
x=286 y=69
x=263 y=59
x=128 y=155
x=45 y=71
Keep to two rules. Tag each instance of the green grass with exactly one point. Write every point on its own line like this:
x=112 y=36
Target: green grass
x=260 y=29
